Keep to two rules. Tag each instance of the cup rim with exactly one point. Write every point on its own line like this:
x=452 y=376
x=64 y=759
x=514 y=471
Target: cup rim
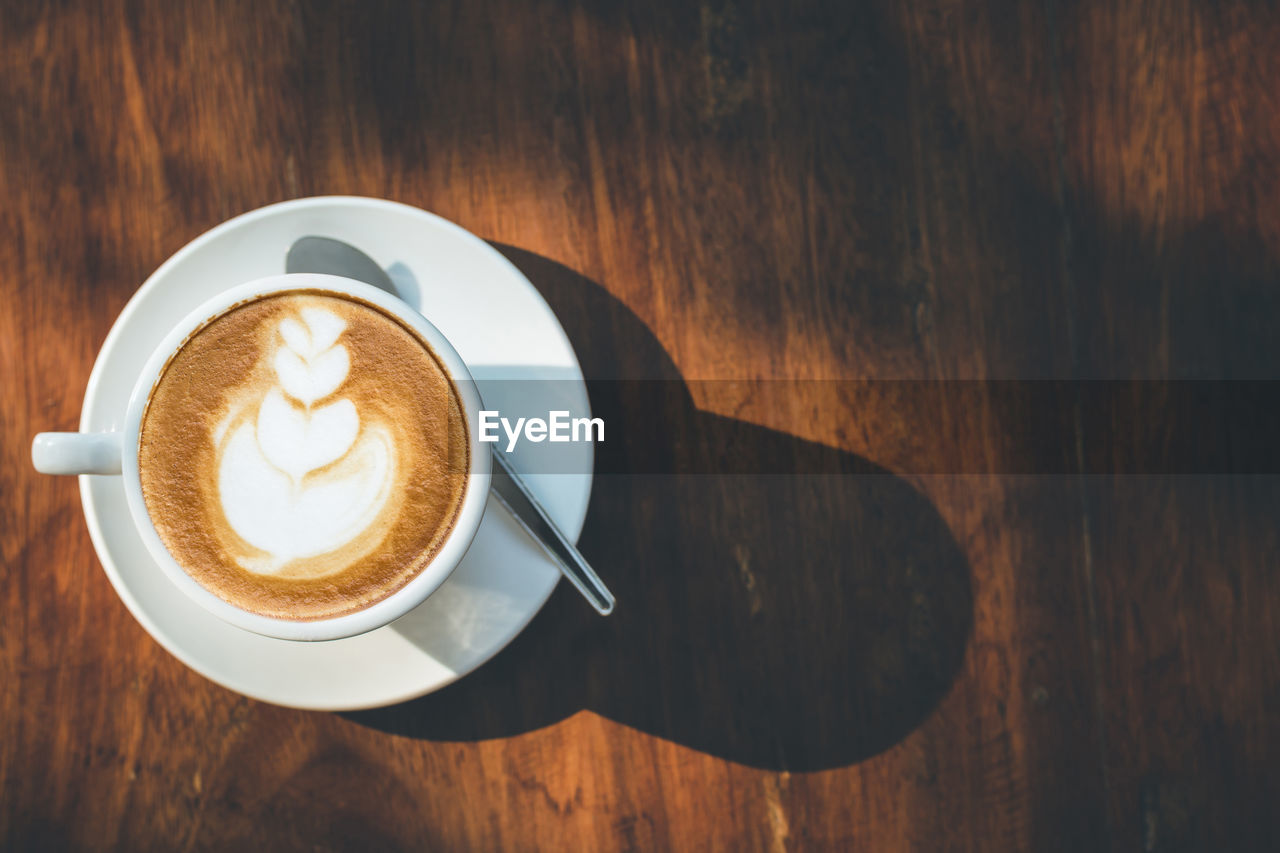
x=422 y=585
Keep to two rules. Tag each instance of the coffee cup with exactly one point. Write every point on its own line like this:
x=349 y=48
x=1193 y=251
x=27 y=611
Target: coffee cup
x=299 y=455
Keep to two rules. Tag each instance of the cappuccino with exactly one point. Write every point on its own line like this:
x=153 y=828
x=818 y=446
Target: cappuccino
x=303 y=455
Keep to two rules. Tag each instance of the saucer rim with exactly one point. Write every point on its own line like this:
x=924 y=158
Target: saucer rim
x=98 y=536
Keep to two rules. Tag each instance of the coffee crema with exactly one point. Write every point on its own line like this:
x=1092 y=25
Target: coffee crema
x=303 y=455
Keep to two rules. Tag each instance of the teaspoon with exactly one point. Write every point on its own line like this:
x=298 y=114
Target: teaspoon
x=334 y=257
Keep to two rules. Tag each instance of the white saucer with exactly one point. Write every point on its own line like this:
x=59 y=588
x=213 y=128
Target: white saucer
x=502 y=328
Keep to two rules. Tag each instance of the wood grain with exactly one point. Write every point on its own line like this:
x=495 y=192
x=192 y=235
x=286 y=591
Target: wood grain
x=1172 y=170
x=900 y=657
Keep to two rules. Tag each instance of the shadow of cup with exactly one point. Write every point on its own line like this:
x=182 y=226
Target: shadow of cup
x=781 y=603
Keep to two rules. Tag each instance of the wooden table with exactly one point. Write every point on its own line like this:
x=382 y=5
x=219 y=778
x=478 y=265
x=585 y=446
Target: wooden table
x=951 y=645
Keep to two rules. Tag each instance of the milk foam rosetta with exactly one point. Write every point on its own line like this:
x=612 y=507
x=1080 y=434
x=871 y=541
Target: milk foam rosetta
x=305 y=476
x=303 y=455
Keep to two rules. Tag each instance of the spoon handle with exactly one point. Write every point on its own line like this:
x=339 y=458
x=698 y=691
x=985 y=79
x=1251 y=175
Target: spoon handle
x=524 y=507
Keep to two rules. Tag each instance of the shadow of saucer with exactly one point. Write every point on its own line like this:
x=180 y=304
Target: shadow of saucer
x=796 y=621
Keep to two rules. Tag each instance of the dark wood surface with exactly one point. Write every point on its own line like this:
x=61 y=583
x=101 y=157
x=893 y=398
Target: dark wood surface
x=923 y=653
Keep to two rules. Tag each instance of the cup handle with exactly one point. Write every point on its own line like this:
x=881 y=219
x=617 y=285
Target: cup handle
x=77 y=452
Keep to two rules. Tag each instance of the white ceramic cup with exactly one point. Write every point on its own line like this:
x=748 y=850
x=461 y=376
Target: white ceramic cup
x=116 y=453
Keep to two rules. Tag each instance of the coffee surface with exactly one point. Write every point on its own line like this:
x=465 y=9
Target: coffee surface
x=303 y=455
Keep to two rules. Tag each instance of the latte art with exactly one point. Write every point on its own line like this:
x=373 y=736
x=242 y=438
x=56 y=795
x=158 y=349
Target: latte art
x=305 y=478
x=303 y=455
